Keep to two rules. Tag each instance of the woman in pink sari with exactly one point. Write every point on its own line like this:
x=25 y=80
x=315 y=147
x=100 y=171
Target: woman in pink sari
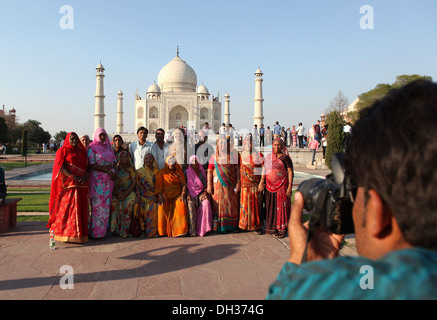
x=199 y=206
x=294 y=136
x=102 y=161
x=278 y=179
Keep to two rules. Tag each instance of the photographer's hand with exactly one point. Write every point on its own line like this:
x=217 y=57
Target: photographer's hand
x=322 y=245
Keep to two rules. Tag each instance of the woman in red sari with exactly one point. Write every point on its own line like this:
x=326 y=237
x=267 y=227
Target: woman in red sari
x=278 y=179
x=251 y=197
x=68 y=202
x=224 y=186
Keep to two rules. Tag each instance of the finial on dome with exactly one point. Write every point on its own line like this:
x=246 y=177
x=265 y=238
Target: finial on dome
x=177 y=51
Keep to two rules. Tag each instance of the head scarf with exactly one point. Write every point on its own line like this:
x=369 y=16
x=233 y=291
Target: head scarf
x=130 y=165
x=176 y=175
x=113 y=144
x=195 y=186
x=230 y=155
x=283 y=146
x=147 y=174
x=76 y=156
x=103 y=149
x=276 y=172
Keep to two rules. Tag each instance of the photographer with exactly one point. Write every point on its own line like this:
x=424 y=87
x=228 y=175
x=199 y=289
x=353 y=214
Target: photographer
x=394 y=210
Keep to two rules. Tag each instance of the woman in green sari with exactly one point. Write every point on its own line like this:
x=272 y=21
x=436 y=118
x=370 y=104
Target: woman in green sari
x=123 y=199
x=224 y=186
x=146 y=207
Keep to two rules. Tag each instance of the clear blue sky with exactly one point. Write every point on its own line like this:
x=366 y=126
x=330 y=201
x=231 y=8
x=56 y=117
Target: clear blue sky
x=307 y=50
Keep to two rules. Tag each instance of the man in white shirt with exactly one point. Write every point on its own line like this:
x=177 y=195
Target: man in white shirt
x=159 y=148
x=138 y=149
x=300 y=134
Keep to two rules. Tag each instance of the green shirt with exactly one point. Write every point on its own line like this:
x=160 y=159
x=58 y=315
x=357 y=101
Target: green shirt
x=405 y=274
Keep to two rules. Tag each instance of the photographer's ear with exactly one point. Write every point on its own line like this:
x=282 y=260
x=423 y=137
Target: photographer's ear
x=379 y=216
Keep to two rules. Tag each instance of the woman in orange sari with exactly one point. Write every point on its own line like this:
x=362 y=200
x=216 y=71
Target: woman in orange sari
x=68 y=202
x=251 y=197
x=224 y=186
x=171 y=188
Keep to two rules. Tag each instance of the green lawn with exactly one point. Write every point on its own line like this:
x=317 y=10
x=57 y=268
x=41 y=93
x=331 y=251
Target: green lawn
x=32 y=218
x=13 y=165
x=31 y=202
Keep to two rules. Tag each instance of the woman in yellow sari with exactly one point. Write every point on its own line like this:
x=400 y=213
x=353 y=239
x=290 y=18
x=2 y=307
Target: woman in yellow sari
x=146 y=208
x=123 y=199
x=171 y=188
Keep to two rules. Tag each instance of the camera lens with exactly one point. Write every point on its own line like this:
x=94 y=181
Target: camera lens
x=310 y=191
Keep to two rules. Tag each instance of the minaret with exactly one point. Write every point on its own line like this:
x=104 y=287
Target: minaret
x=227 y=113
x=258 y=117
x=99 y=111
x=120 y=113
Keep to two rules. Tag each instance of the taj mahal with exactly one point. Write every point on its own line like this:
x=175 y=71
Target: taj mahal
x=176 y=100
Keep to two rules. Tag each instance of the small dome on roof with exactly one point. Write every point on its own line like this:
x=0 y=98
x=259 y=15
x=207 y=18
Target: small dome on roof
x=154 y=88
x=202 y=89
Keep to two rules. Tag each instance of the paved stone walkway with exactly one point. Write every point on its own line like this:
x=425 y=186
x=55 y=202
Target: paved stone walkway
x=236 y=266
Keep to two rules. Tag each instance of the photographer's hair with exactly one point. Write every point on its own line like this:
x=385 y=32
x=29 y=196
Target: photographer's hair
x=393 y=150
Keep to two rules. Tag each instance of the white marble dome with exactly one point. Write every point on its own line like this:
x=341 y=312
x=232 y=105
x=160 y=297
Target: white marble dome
x=177 y=76
x=154 y=88
x=202 y=89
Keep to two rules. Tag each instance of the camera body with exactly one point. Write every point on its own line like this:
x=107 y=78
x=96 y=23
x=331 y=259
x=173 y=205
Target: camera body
x=328 y=200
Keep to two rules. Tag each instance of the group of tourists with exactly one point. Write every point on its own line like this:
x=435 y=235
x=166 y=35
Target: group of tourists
x=97 y=190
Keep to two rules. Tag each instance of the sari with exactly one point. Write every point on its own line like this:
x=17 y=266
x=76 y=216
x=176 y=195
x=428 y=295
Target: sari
x=173 y=212
x=199 y=206
x=294 y=137
x=101 y=185
x=146 y=209
x=121 y=210
x=278 y=205
x=250 y=198
x=68 y=203
x=225 y=200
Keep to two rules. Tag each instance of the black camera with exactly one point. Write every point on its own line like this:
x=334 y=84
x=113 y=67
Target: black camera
x=329 y=201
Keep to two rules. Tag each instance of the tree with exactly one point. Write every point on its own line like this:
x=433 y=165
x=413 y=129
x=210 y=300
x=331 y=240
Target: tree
x=60 y=136
x=3 y=130
x=24 y=146
x=36 y=132
x=366 y=99
x=338 y=104
x=335 y=136
x=404 y=79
